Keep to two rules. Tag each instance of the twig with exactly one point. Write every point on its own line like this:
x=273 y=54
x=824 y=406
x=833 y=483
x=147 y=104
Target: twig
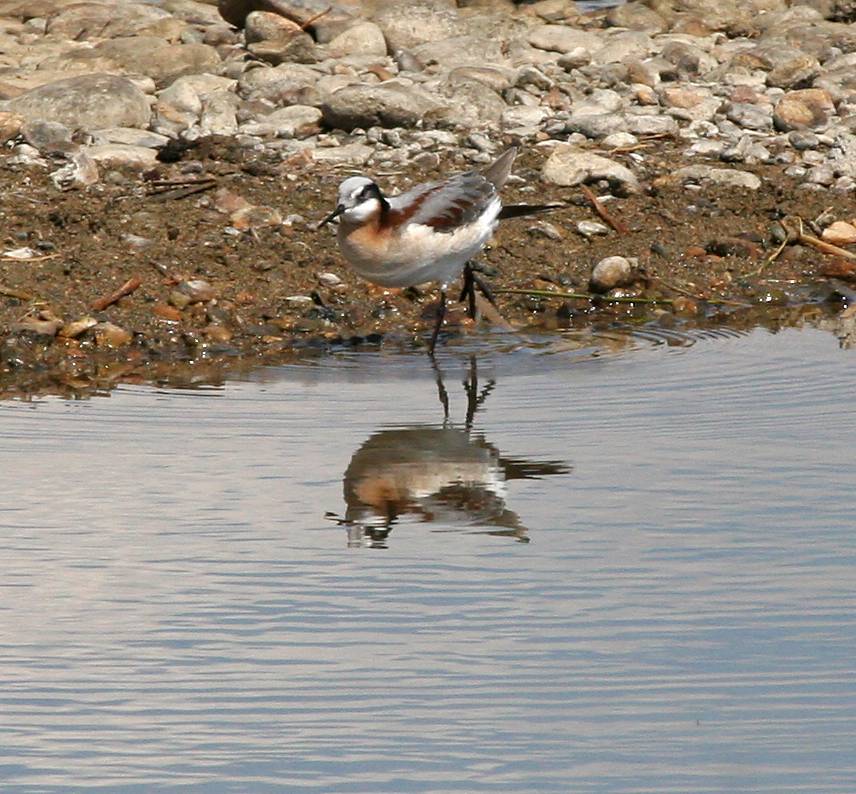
x=108 y=300
x=182 y=189
x=11 y=292
x=29 y=258
x=827 y=248
x=316 y=17
x=601 y=211
x=545 y=293
x=694 y=296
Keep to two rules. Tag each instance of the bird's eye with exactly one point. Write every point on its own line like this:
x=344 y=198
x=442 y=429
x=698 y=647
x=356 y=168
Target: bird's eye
x=368 y=192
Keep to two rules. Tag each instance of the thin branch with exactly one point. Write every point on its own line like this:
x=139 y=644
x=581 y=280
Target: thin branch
x=108 y=300
x=601 y=211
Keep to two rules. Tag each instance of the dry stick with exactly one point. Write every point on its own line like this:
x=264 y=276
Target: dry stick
x=316 y=17
x=827 y=248
x=29 y=258
x=11 y=292
x=545 y=293
x=183 y=192
x=601 y=211
x=126 y=289
x=694 y=296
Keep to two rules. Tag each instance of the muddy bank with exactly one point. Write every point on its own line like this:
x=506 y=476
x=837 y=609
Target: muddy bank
x=206 y=297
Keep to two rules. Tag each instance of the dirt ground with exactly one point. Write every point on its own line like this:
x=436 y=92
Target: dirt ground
x=703 y=254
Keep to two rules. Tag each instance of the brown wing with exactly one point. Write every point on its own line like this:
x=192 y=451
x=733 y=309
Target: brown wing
x=443 y=206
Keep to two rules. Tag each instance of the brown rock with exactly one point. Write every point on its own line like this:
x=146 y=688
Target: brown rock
x=798 y=72
x=681 y=97
x=264 y=26
x=166 y=312
x=10 y=125
x=255 y=218
x=807 y=108
x=110 y=335
x=840 y=233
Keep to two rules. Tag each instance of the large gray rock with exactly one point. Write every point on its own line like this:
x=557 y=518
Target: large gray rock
x=558 y=38
x=321 y=18
x=148 y=55
x=406 y=25
x=365 y=38
x=569 y=166
x=636 y=16
x=89 y=102
x=719 y=176
x=468 y=104
x=84 y=21
x=390 y=104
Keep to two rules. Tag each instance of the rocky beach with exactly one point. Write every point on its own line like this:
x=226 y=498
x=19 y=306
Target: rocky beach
x=165 y=164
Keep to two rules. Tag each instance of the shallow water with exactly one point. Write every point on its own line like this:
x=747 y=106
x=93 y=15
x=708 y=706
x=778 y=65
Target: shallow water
x=630 y=571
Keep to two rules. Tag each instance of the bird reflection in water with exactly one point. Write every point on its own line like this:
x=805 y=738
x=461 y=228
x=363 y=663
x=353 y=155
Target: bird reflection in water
x=447 y=475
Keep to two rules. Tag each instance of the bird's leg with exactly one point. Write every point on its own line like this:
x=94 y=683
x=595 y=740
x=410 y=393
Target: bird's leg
x=468 y=292
x=441 y=314
x=441 y=389
x=485 y=290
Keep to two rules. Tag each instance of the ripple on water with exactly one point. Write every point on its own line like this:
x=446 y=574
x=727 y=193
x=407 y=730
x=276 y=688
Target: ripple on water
x=178 y=609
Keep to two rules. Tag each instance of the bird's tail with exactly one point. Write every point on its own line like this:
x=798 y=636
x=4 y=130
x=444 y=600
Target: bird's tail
x=524 y=210
x=497 y=172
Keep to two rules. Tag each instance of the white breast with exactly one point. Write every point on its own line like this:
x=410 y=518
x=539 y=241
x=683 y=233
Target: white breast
x=419 y=254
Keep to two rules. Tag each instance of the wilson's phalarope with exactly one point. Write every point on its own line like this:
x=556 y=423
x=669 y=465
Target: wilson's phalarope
x=428 y=234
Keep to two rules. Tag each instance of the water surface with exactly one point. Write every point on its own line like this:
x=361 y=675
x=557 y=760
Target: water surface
x=631 y=571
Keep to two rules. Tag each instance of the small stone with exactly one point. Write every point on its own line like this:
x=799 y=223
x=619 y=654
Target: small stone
x=197 y=290
x=820 y=175
x=719 y=176
x=797 y=72
x=619 y=140
x=217 y=333
x=591 y=228
x=569 y=166
x=329 y=280
x=170 y=313
x=179 y=299
x=750 y=117
x=802 y=140
x=111 y=336
x=74 y=329
x=840 y=233
x=614 y=271
x=255 y=218
x=10 y=125
x=808 y=108
x=545 y=229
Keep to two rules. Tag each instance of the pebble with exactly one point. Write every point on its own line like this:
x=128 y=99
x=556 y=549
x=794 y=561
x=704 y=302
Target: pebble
x=840 y=233
x=612 y=272
x=74 y=329
x=134 y=75
x=591 y=228
x=197 y=291
x=111 y=335
x=720 y=176
x=569 y=167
